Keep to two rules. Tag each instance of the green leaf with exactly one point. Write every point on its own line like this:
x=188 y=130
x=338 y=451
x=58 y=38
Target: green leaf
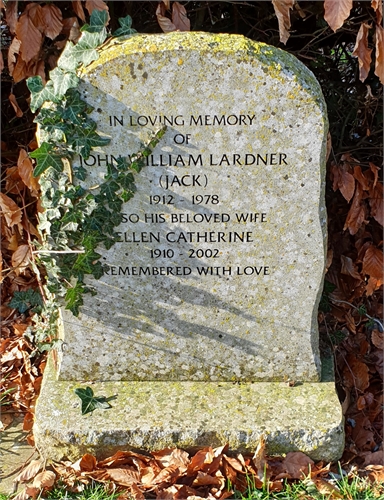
x=46 y=157
x=87 y=138
x=26 y=300
x=39 y=97
x=98 y=20
x=125 y=29
x=63 y=80
x=89 y=402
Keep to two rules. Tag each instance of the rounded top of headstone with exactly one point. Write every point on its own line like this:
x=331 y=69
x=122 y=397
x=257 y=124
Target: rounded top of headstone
x=275 y=62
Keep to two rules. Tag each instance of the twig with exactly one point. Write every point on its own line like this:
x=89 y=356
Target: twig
x=356 y=308
x=58 y=251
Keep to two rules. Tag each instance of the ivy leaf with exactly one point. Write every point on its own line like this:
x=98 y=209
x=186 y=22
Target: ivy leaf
x=98 y=20
x=89 y=402
x=26 y=300
x=86 y=262
x=63 y=80
x=87 y=138
x=125 y=27
x=74 y=298
x=46 y=158
x=39 y=93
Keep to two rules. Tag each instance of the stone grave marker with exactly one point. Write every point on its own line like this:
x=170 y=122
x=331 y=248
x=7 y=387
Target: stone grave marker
x=218 y=273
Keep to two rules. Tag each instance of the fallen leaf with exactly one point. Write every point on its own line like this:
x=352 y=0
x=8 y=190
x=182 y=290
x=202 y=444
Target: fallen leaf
x=356 y=214
x=21 y=258
x=376 y=203
x=11 y=15
x=53 y=20
x=25 y=169
x=87 y=463
x=29 y=36
x=362 y=51
x=125 y=477
x=360 y=177
x=71 y=29
x=165 y=24
x=44 y=479
x=377 y=470
x=326 y=488
x=179 y=17
x=91 y=5
x=29 y=472
x=282 y=8
x=373 y=262
x=379 y=64
x=23 y=495
x=297 y=464
x=259 y=459
x=202 y=457
x=203 y=479
x=173 y=456
x=349 y=268
x=6 y=420
x=78 y=8
x=356 y=374
x=13 y=50
x=343 y=180
x=336 y=12
x=378 y=339
x=28 y=421
x=377 y=6
x=10 y=210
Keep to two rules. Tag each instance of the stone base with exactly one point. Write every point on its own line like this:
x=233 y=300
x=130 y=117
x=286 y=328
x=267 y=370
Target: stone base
x=189 y=415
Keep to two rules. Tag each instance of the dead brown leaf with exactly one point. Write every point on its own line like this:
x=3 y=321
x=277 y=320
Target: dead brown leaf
x=202 y=457
x=53 y=20
x=179 y=17
x=87 y=463
x=29 y=472
x=378 y=339
x=16 y=107
x=21 y=258
x=282 y=8
x=377 y=6
x=25 y=169
x=11 y=15
x=173 y=456
x=91 y=5
x=78 y=8
x=379 y=64
x=297 y=464
x=362 y=51
x=29 y=36
x=6 y=419
x=164 y=22
x=28 y=421
x=10 y=210
x=373 y=262
x=376 y=203
x=44 y=479
x=349 y=268
x=326 y=488
x=336 y=12
x=23 y=495
x=356 y=374
x=259 y=459
x=125 y=476
x=356 y=214
x=71 y=29
x=13 y=50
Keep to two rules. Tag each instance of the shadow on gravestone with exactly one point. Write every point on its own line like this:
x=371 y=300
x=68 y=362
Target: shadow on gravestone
x=219 y=270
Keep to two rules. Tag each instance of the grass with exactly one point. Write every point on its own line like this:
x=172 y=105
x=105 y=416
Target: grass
x=356 y=489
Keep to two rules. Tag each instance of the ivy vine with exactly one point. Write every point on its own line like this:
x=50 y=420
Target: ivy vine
x=75 y=220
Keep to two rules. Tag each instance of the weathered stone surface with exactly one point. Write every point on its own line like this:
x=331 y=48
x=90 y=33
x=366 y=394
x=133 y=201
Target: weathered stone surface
x=233 y=196
x=155 y=415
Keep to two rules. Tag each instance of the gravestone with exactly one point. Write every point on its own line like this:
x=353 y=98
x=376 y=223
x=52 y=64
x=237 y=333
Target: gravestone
x=208 y=304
